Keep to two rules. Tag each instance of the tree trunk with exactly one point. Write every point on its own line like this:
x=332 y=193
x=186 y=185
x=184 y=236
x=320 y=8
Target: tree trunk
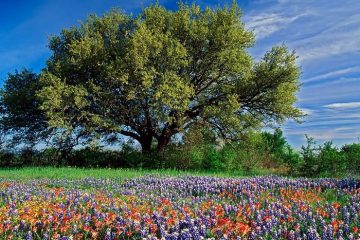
x=146 y=145
x=163 y=141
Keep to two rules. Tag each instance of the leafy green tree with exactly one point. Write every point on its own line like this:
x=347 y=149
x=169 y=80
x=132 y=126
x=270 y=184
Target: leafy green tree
x=311 y=165
x=275 y=145
x=332 y=160
x=197 y=149
x=281 y=151
x=352 y=156
x=151 y=76
x=247 y=154
x=293 y=160
x=21 y=119
x=23 y=124
x=276 y=142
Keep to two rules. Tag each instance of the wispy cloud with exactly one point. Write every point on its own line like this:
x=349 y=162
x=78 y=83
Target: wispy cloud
x=266 y=24
x=340 y=134
x=317 y=29
x=341 y=37
x=307 y=111
x=325 y=35
x=343 y=105
x=326 y=92
x=341 y=125
x=336 y=44
x=333 y=74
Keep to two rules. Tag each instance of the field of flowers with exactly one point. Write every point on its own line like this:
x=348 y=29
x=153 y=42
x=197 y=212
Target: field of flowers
x=183 y=207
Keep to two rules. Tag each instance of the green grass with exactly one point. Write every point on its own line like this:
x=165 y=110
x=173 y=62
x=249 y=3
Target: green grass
x=28 y=173
x=78 y=173
x=69 y=173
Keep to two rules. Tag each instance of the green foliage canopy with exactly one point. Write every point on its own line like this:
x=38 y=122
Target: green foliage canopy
x=21 y=119
x=154 y=75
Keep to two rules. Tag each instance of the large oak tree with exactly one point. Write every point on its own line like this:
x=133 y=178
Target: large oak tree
x=152 y=76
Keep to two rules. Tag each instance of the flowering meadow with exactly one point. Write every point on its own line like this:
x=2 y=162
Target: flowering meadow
x=183 y=207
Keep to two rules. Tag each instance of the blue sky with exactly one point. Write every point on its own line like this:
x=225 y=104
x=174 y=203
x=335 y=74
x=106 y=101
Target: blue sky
x=324 y=33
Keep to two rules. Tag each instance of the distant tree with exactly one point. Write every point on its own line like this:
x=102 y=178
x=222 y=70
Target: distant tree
x=293 y=160
x=281 y=151
x=151 y=76
x=23 y=124
x=276 y=143
x=352 y=156
x=311 y=164
x=332 y=161
x=21 y=120
x=250 y=153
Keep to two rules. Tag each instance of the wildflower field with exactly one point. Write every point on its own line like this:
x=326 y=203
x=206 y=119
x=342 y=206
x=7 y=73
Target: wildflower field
x=179 y=207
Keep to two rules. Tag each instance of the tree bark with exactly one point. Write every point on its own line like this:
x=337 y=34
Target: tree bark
x=163 y=141
x=145 y=142
x=167 y=133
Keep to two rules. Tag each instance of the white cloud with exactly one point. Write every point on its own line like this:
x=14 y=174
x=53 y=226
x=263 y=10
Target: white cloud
x=326 y=39
x=307 y=111
x=338 y=32
x=325 y=124
x=338 y=91
x=266 y=24
x=343 y=105
x=333 y=74
x=328 y=116
x=349 y=133
x=326 y=28
x=330 y=136
x=327 y=45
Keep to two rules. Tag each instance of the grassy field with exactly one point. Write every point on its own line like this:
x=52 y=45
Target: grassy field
x=79 y=173
x=29 y=173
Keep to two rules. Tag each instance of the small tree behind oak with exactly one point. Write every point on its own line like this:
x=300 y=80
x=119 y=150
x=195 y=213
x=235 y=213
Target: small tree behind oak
x=21 y=120
x=152 y=76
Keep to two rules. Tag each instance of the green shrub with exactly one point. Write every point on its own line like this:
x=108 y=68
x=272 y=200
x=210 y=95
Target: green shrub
x=332 y=161
x=245 y=155
x=351 y=154
x=275 y=144
x=311 y=165
x=292 y=160
x=9 y=159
